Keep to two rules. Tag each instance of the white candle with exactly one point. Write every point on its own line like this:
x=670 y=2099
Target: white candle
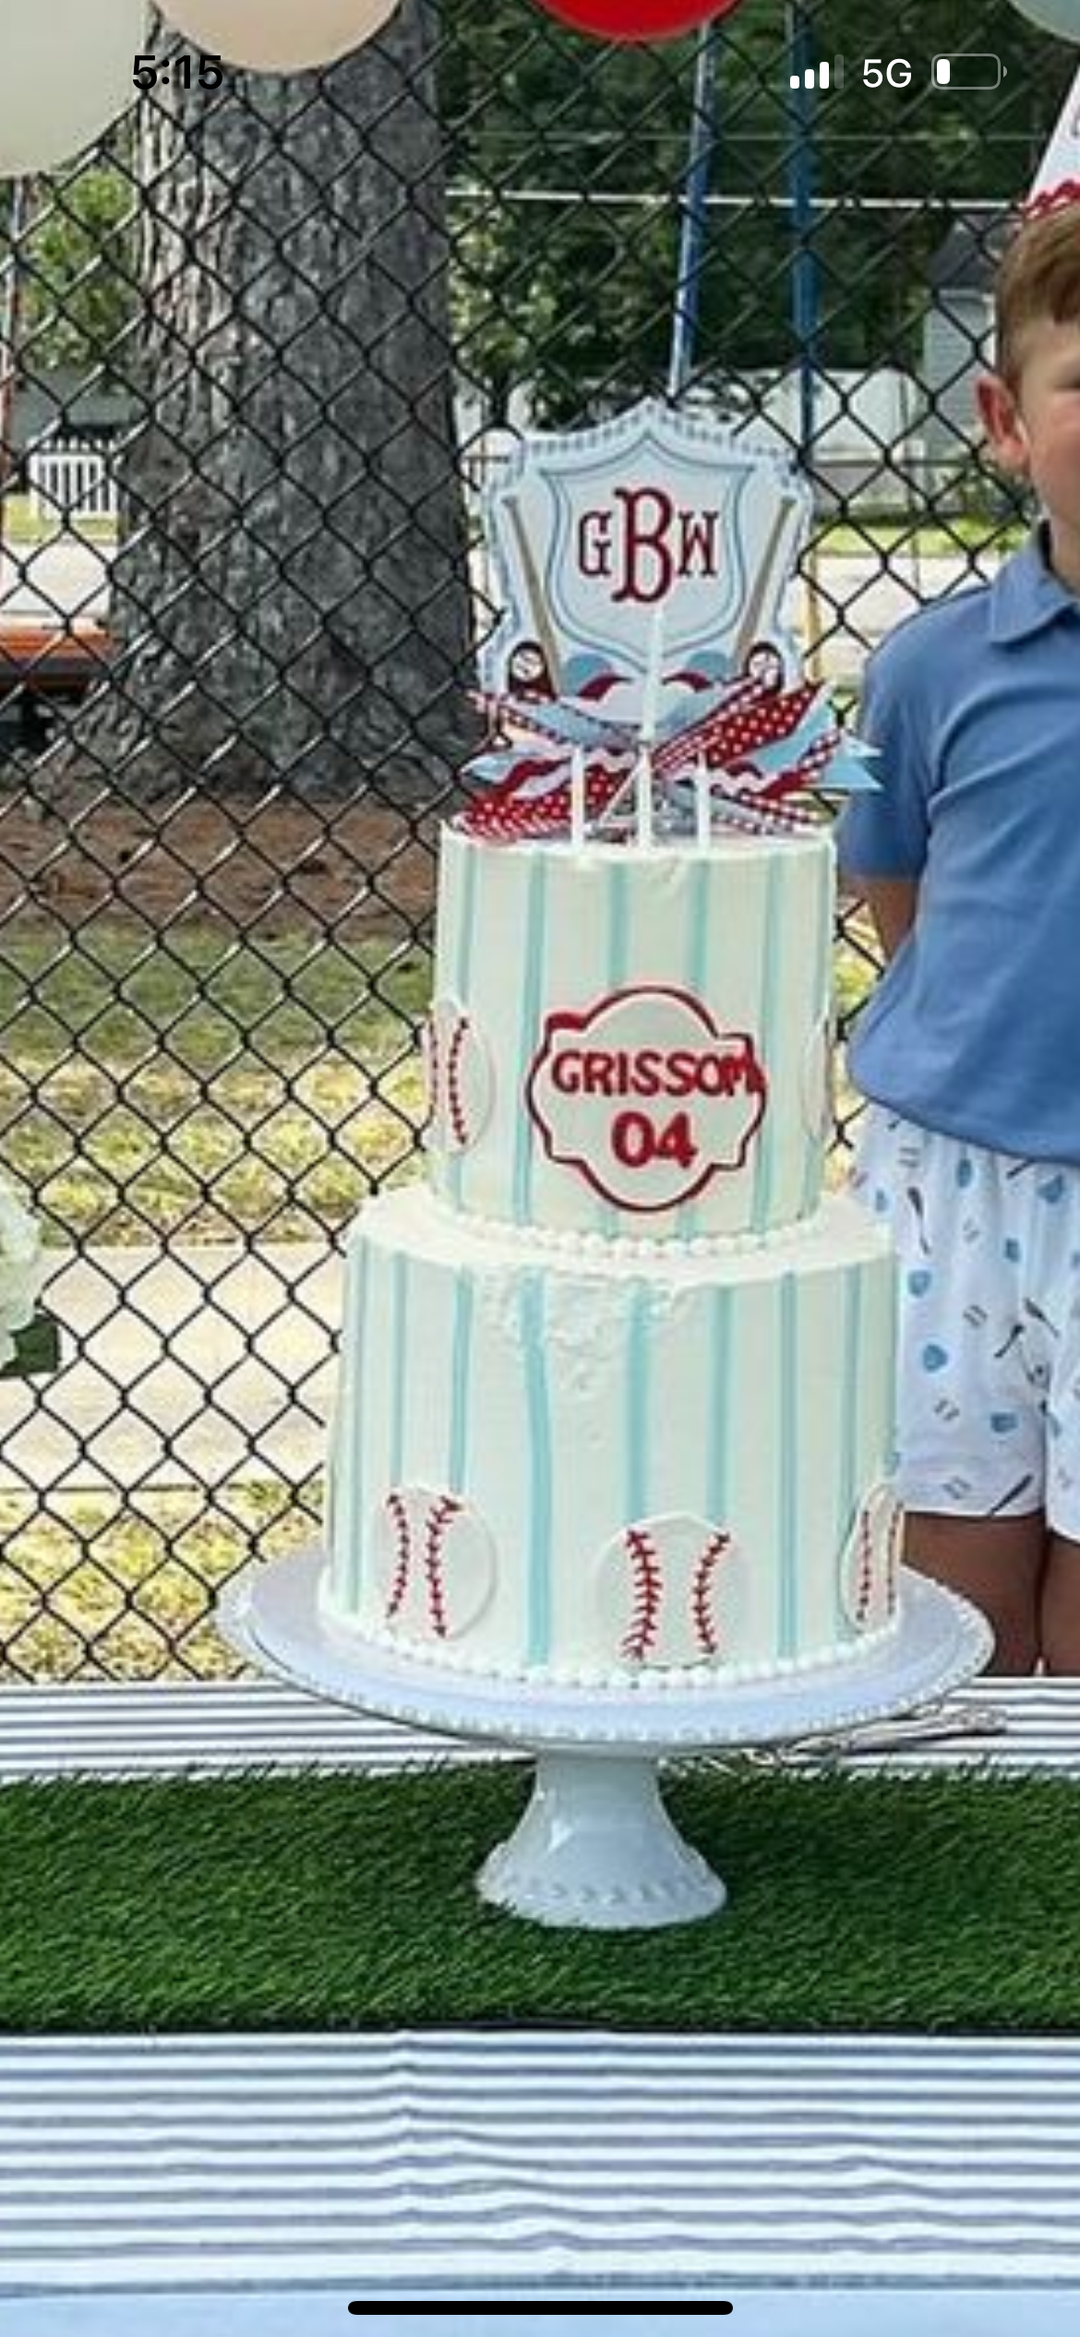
x=703 y=803
x=648 y=725
x=643 y=796
x=577 y=796
x=654 y=674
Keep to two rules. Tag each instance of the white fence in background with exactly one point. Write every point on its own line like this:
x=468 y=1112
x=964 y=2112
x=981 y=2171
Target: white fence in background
x=70 y=481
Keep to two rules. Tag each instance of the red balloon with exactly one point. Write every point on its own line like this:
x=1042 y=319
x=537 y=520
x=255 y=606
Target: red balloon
x=637 y=20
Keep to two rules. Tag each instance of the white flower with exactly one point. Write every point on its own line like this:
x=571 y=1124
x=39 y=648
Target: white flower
x=23 y=1267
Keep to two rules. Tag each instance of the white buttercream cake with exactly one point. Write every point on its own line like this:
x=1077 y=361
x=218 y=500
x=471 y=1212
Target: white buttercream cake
x=615 y=1400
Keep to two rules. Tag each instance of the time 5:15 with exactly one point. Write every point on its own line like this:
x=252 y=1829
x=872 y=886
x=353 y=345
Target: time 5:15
x=177 y=70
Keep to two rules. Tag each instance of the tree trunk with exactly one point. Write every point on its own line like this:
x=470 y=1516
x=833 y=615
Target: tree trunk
x=291 y=601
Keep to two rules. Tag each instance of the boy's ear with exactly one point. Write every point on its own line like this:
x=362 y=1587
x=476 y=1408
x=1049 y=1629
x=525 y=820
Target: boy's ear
x=1000 y=418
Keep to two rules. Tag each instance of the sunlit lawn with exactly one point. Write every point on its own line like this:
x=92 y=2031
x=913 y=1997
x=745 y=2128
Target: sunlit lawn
x=123 y=1585
x=967 y=531
x=207 y=1088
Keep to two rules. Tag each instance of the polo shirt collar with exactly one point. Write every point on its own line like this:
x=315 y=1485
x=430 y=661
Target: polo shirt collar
x=1026 y=594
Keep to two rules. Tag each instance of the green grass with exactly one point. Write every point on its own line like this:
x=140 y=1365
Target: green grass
x=22 y=525
x=967 y=532
x=857 y=1903
x=124 y=1583
x=204 y=1089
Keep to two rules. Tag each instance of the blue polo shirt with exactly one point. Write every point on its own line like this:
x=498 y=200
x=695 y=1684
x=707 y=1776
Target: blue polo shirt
x=974 y=1028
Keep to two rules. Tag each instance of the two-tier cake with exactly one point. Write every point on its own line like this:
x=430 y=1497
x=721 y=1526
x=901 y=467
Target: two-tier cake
x=615 y=1398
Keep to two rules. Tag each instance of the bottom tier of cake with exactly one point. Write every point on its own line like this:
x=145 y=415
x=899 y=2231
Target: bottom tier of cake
x=599 y=1464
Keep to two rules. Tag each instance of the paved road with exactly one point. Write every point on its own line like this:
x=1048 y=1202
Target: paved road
x=185 y=1367
x=65 y=578
x=859 y=598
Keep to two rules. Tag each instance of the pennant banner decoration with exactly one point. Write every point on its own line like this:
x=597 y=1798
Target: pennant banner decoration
x=1058 y=181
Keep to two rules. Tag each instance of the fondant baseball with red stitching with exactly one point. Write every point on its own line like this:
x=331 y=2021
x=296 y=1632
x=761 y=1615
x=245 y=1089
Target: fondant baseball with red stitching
x=661 y=1588
x=871 y=1561
x=434 y=1563
x=459 y=1077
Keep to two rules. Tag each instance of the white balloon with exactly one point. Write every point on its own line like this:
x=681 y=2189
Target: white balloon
x=66 y=71
x=1060 y=16
x=278 y=36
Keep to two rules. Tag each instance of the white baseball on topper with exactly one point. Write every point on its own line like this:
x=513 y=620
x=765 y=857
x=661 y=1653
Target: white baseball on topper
x=66 y=70
x=1057 y=182
x=279 y=36
x=1060 y=16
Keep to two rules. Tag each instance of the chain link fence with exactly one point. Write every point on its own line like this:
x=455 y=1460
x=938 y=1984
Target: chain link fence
x=258 y=356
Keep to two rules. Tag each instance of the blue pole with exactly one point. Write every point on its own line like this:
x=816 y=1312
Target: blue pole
x=805 y=315
x=804 y=275
x=695 y=210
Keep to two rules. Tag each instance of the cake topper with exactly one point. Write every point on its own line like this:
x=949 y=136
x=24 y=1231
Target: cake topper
x=1057 y=182
x=642 y=675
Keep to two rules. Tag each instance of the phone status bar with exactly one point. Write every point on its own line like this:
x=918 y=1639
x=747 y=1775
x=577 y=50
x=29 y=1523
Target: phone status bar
x=964 y=69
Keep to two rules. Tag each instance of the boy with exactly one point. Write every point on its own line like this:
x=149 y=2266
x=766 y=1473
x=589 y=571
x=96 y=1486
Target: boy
x=969 y=1050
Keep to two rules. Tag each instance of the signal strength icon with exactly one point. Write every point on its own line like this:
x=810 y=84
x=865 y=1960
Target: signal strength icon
x=824 y=76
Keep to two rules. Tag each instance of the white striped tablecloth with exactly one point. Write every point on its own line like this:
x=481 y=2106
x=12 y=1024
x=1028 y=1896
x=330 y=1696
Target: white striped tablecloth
x=791 y=2174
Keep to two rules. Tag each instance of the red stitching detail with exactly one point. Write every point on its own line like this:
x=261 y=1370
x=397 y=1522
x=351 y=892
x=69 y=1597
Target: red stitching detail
x=894 y=1551
x=438 y=1522
x=864 y=1588
x=454 y=1102
x=434 y=1072
x=707 y=1564
x=647 y=1581
x=400 y=1583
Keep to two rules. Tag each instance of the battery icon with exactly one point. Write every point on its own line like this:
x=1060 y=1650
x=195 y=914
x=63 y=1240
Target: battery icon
x=967 y=69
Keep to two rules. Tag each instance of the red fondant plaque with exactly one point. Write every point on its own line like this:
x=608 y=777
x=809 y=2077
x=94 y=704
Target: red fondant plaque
x=646 y=1096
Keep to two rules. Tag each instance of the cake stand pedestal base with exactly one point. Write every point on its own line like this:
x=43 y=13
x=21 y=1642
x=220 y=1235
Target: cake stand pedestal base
x=596 y=1848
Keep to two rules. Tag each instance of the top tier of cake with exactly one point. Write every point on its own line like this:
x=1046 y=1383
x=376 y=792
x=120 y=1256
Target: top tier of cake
x=632 y=1044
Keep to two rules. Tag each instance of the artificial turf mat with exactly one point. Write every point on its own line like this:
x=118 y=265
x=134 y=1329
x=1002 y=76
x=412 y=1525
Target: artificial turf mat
x=262 y=1901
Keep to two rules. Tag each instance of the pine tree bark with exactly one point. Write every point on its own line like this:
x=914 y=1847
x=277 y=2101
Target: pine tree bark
x=290 y=603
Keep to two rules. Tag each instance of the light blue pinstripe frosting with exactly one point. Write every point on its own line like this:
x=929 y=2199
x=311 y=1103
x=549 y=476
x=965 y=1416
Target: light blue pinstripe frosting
x=460 y=1380
x=697 y=960
x=788 y=1554
x=462 y=976
x=538 y=1447
x=638 y=1407
x=772 y=946
x=532 y=994
x=847 y=1470
x=399 y=1334
x=618 y=960
x=351 y=1523
x=813 y=1160
x=718 y=1434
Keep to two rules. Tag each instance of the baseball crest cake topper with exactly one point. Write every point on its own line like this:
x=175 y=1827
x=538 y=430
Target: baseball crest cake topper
x=1057 y=183
x=643 y=671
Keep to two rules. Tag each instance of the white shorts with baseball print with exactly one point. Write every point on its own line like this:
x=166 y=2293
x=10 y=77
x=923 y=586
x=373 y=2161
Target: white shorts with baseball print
x=988 y=1394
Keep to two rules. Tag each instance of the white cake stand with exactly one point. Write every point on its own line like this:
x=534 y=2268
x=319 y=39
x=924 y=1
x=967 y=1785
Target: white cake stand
x=596 y=1847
